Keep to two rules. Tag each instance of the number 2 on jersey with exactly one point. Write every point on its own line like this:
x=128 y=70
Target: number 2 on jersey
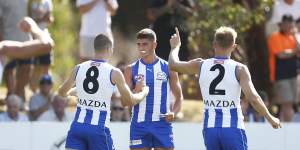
x=91 y=78
x=217 y=80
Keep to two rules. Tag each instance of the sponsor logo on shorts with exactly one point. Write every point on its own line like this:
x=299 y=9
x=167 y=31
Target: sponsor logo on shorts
x=135 y=142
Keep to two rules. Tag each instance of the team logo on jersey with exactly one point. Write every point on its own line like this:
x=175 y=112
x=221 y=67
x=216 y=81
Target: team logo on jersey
x=95 y=63
x=139 y=77
x=161 y=76
x=219 y=103
x=218 y=61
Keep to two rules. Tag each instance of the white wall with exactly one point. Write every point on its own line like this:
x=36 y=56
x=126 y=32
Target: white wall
x=188 y=136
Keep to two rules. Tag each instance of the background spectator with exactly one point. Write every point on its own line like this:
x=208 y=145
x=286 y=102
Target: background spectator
x=95 y=19
x=41 y=101
x=57 y=111
x=11 y=12
x=118 y=112
x=283 y=66
x=41 y=12
x=13 y=104
x=166 y=15
x=280 y=8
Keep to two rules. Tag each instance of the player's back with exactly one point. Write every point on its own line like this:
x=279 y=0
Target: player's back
x=94 y=90
x=89 y=129
x=221 y=93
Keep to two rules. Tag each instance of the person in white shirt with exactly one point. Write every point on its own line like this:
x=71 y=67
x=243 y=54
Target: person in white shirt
x=41 y=13
x=280 y=8
x=95 y=19
x=13 y=114
x=57 y=112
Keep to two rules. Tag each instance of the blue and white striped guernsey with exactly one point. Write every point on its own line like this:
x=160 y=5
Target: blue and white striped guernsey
x=94 y=90
x=156 y=76
x=221 y=93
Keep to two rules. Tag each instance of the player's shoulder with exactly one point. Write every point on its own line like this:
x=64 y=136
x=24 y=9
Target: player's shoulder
x=162 y=61
x=241 y=69
x=135 y=64
x=116 y=74
x=239 y=64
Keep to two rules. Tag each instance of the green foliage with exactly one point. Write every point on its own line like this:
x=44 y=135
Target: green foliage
x=64 y=31
x=215 y=13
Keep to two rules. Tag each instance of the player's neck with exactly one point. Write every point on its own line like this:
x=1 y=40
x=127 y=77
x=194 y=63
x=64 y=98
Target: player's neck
x=222 y=54
x=150 y=59
x=102 y=56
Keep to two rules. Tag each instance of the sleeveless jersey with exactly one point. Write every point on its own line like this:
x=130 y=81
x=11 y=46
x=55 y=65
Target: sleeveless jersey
x=156 y=76
x=221 y=93
x=94 y=90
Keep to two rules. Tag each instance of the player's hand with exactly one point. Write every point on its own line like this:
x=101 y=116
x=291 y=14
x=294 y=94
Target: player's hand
x=27 y=24
x=146 y=90
x=175 y=39
x=169 y=117
x=139 y=85
x=275 y=122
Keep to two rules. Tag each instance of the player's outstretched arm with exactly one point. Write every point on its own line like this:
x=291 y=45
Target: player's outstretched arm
x=253 y=97
x=177 y=92
x=190 y=67
x=65 y=88
x=127 y=97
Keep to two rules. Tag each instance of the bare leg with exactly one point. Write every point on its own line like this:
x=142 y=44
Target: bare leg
x=37 y=73
x=34 y=82
x=287 y=112
x=22 y=79
x=10 y=80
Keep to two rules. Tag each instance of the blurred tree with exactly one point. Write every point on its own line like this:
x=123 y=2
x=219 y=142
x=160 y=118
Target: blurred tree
x=64 y=30
x=131 y=17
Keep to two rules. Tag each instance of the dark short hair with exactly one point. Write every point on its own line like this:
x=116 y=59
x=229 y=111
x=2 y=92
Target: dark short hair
x=102 y=42
x=146 y=34
x=287 y=18
x=46 y=79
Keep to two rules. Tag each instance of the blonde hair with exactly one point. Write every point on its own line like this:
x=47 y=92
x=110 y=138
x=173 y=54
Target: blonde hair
x=225 y=36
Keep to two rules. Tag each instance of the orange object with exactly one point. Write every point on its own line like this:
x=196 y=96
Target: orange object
x=277 y=43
